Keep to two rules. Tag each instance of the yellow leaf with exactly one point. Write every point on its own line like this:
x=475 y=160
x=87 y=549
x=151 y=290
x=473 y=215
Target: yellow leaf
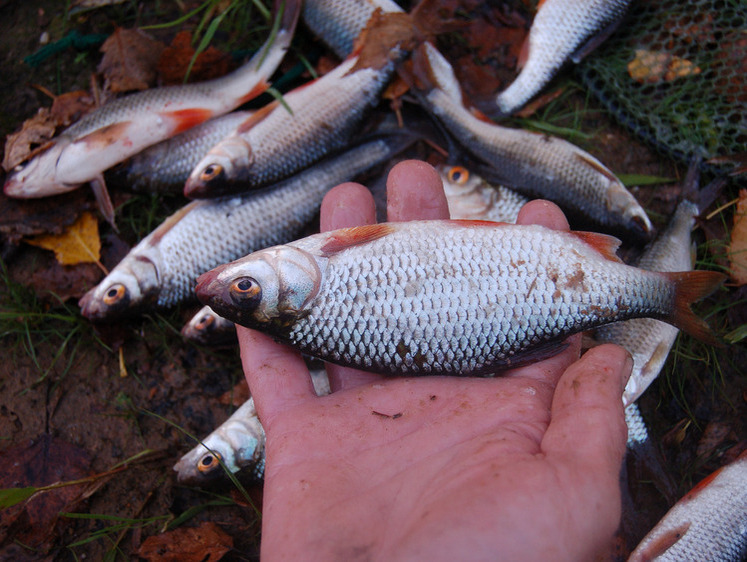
x=653 y=66
x=738 y=246
x=80 y=243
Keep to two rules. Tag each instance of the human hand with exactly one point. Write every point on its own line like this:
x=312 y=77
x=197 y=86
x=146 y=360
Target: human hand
x=521 y=466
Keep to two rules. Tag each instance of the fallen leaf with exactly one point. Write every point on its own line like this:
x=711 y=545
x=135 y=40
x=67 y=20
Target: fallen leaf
x=80 y=243
x=656 y=66
x=237 y=395
x=130 y=60
x=738 y=246
x=205 y=543
x=713 y=435
x=174 y=62
x=41 y=128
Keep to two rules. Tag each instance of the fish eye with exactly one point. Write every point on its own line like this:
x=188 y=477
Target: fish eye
x=114 y=294
x=205 y=322
x=246 y=291
x=458 y=174
x=208 y=462
x=211 y=172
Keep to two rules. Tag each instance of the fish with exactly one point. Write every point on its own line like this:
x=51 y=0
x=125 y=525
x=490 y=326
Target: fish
x=162 y=269
x=239 y=442
x=208 y=328
x=127 y=125
x=708 y=523
x=471 y=197
x=339 y=23
x=166 y=166
x=315 y=119
x=646 y=339
x=445 y=297
x=535 y=165
x=561 y=30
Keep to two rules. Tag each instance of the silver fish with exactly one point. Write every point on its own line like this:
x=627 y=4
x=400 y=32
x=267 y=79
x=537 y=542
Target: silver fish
x=208 y=328
x=559 y=30
x=276 y=143
x=339 y=23
x=129 y=124
x=445 y=297
x=471 y=197
x=239 y=442
x=536 y=165
x=637 y=430
x=163 y=267
x=709 y=523
x=166 y=166
x=646 y=339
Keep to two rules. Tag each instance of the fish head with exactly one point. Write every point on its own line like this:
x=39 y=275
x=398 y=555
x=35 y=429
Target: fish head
x=207 y=327
x=131 y=285
x=620 y=202
x=266 y=289
x=203 y=463
x=36 y=176
x=221 y=170
x=457 y=180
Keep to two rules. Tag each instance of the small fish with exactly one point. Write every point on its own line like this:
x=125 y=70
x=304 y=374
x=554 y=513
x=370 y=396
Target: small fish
x=709 y=523
x=338 y=23
x=560 y=30
x=445 y=297
x=166 y=166
x=239 y=442
x=208 y=328
x=536 y=165
x=471 y=197
x=324 y=114
x=124 y=127
x=163 y=267
x=646 y=339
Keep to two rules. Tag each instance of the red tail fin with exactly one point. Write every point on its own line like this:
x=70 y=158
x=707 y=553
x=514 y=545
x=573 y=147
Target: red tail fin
x=691 y=286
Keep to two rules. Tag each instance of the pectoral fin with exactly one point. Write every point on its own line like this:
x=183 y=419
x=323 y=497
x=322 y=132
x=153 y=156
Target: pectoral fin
x=103 y=200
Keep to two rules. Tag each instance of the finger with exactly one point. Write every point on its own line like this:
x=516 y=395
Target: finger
x=588 y=425
x=543 y=212
x=414 y=191
x=348 y=204
x=276 y=374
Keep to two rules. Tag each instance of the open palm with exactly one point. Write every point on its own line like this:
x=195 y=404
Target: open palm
x=523 y=466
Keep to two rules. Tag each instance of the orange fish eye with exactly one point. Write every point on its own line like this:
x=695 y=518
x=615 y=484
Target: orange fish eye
x=114 y=294
x=211 y=171
x=246 y=288
x=458 y=174
x=205 y=322
x=208 y=462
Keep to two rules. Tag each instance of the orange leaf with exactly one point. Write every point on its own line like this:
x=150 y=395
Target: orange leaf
x=207 y=543
x=653 y=66
x=80 y=243
x=738 y=246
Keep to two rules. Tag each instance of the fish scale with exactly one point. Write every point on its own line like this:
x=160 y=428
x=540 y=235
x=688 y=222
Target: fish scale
x=443 y=297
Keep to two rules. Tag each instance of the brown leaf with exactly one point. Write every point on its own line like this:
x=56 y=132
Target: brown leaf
x=738 y=246
x=40 y=128
x=713 y=435
x=130 y=60
x=79 y=243
x=174 y=62
x=40 y=463
x=205 y=543
x=237 y=395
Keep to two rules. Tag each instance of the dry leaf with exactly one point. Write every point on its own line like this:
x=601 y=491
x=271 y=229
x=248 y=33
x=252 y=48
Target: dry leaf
x=130 y=60
x=174 y=62
x=713 y=435
x=738 y=246
x=78 y=244
x=205 y=543
x=653 y=66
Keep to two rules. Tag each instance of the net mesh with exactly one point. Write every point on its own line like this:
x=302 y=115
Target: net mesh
x=674 y=73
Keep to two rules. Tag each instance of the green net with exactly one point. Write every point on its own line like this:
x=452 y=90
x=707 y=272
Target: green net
x=674 y=73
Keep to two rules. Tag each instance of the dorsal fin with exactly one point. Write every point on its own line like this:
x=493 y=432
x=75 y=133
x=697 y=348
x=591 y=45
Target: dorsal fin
x=598 y=166
x=603 y=243
x=349 y=237
x=702 y=485
x=477 y=222
x=256 y=117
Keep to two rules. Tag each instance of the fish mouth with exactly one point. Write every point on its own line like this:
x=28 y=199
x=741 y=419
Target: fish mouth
x=210 y=290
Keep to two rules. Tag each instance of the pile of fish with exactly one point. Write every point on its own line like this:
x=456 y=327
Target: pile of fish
x=467 y=296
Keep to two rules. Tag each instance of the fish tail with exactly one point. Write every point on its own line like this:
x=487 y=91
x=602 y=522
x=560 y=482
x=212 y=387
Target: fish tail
x=285 y=14
x=692 y=286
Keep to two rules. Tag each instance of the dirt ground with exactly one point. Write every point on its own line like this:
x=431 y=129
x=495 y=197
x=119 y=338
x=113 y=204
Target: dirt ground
x=77 y=399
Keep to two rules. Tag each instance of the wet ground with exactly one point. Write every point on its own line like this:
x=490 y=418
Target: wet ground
x=77 y=400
